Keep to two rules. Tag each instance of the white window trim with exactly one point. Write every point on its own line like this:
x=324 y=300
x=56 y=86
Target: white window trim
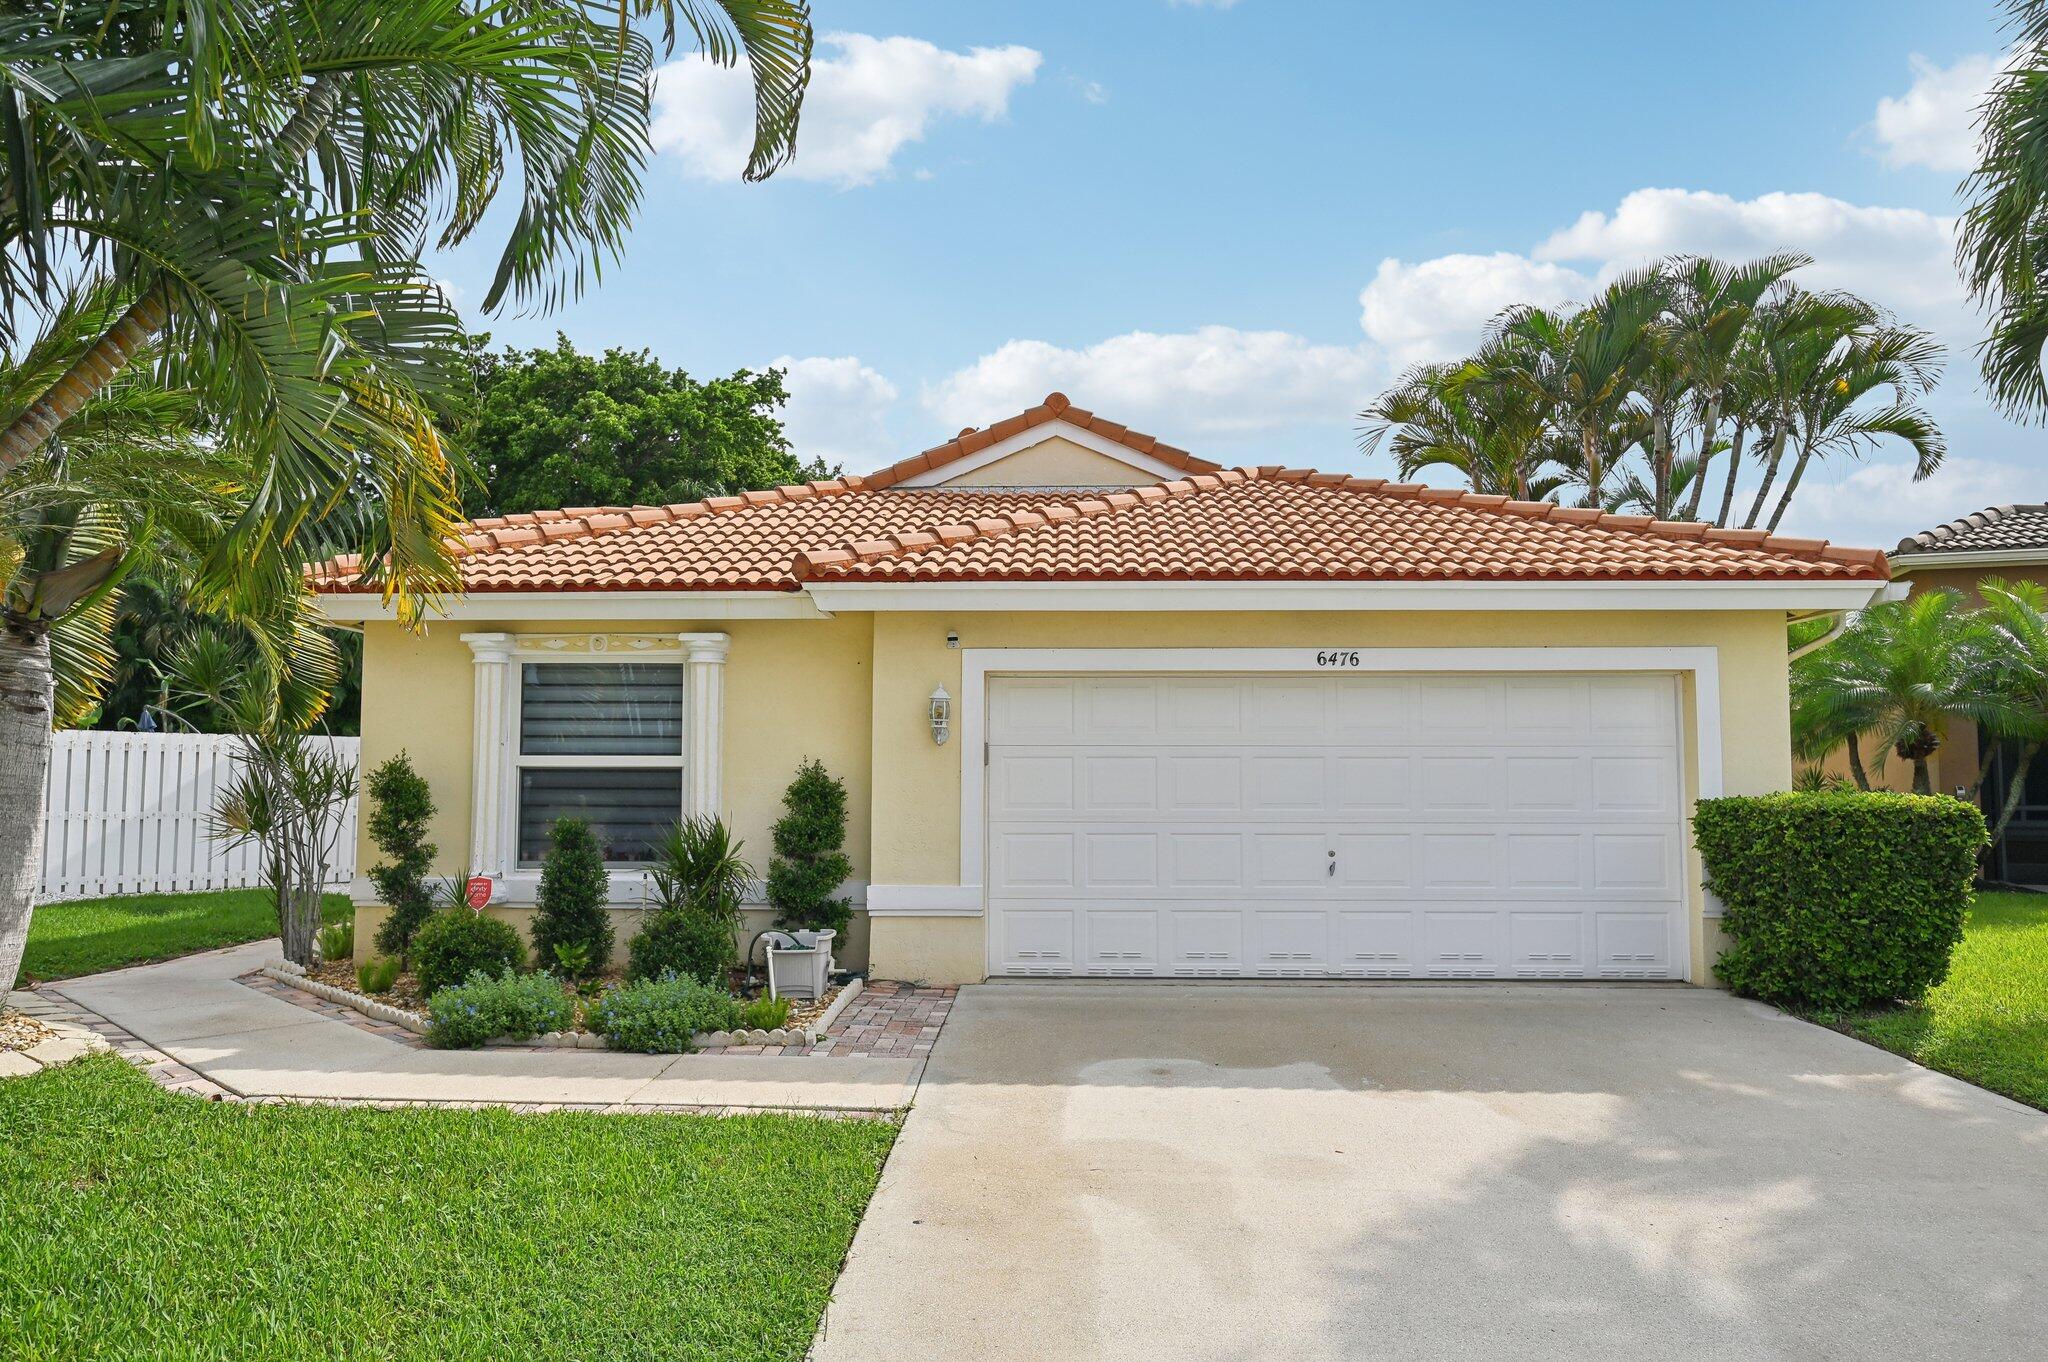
x=496 y=760
x=969 y=898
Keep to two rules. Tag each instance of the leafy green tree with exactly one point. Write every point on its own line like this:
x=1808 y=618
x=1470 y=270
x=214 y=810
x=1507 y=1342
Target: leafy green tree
x=561 y=428
x=237 y=194
x=401 y=806
x=2002 y=236
x=809 y=864
x=569 y=911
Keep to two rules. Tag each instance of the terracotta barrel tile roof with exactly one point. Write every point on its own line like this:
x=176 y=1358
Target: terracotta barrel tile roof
x=1288 y=525
x=1056 y=407
x=1258 y=524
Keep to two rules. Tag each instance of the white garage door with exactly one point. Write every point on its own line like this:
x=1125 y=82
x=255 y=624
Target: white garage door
x=1520 y=826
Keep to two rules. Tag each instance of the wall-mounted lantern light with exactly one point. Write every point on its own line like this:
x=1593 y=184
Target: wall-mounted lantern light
x=941 y=716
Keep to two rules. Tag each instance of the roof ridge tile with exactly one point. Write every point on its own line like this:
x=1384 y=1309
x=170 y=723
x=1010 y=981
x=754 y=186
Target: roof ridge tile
x=1055 y=407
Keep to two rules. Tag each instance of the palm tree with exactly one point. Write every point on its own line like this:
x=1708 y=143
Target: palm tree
x=249 y=186
x=1579 y=364
x=1903 y=669
x=1462 y=417
x=1797 y=336
x=2015 y=618
x=1711 y=304
x=1901 y=361
x=2002 y=236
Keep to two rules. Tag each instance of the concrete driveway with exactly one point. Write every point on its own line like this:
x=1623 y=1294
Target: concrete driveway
x=1145 y=1171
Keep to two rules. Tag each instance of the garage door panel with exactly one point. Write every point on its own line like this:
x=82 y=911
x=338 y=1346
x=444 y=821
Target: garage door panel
x=1120 y=784
x=1288 y=784
x=1469 y=784
x=1375 y=944
x=1482 y=826
x=1028 y=783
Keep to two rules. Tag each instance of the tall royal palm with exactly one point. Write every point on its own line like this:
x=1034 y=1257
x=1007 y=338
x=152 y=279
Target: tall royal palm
x=253 y=183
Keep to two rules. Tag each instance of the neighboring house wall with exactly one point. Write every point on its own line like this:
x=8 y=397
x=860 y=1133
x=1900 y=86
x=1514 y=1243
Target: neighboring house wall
x=853 y=691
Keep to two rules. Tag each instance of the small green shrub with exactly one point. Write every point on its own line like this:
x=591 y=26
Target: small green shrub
x=455 y=943
x=809 y=864
x=401 y=805
x=699 y=878
x=377 y=976
x=764 y=1014
x=1838 y=901
x=570 y=907
x=337 y=940
x=658 y=1016
x=511 y=1007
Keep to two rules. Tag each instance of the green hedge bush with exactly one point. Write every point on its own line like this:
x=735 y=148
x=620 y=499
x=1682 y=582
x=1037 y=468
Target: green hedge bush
x=658 y=1017
x=455 y=943
x=1838 y=901
x=511 y=1006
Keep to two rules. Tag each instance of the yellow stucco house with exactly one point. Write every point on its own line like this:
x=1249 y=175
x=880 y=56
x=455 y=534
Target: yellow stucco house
x=1105 y=709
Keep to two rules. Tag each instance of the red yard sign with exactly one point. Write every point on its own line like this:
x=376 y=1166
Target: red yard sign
x=478 y=891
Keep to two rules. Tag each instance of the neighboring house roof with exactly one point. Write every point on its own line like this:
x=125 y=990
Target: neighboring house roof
x=1251 y=524
x=1274 y=524
x=1993 y=530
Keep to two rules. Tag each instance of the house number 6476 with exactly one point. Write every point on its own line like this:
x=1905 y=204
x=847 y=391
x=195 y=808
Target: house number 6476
x=1337 y=657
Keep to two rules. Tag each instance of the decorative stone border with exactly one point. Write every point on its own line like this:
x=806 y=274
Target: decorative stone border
x=285 y=972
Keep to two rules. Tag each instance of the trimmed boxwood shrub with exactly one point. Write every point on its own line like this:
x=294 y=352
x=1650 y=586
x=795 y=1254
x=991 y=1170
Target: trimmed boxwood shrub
x=658 y=1017
x=456 y=943
x=570 y=908
x=511 y=1007
x=1838 y=901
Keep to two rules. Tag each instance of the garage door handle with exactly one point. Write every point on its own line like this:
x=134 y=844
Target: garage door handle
x=1333 y=863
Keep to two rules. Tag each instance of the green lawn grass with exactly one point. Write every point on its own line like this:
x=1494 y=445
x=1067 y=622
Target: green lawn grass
x=89 y=935
x=1988 y=1021
x=141 y=1223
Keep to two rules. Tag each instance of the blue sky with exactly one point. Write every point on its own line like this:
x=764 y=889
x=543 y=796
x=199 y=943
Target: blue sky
x=1230 y=223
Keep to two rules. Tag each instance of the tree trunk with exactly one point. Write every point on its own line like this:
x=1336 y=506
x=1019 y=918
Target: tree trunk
x=1921 y=783
x=2013 y=791
x=1856 y=770
x=1782 y=428
x=134 y=329
x=1734 y=472
x=1589 y=452
x=26 y=688
x=1791 y=486
x=1660 y=458
x=1710 y=425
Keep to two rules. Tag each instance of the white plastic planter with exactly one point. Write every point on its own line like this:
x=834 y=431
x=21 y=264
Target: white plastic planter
x=800 y=972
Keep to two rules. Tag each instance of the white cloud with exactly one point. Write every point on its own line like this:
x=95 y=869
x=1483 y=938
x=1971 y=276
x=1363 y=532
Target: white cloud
x=869 y=98
x=1436 y=310
x=1217 y=381
x=1878 y=504
x=1899 y=258
x=838 y=411
x=1933 y=124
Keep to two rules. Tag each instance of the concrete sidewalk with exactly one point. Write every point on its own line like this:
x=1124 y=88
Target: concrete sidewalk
x=195 y=1011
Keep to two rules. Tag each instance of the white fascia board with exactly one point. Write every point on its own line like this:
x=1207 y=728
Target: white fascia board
x=1265 y=596
x=1903 y=563
x=1037 y=435
x=353 y=607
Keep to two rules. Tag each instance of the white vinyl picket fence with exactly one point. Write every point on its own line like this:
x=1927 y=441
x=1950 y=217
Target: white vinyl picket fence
x=127 y=813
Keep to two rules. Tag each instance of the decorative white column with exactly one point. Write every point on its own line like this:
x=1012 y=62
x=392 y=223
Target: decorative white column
x=490 y=771
x=704 y=718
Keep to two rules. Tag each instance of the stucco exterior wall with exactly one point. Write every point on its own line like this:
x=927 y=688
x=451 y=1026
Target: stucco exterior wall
x=1054 y=462
x=854 y=690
